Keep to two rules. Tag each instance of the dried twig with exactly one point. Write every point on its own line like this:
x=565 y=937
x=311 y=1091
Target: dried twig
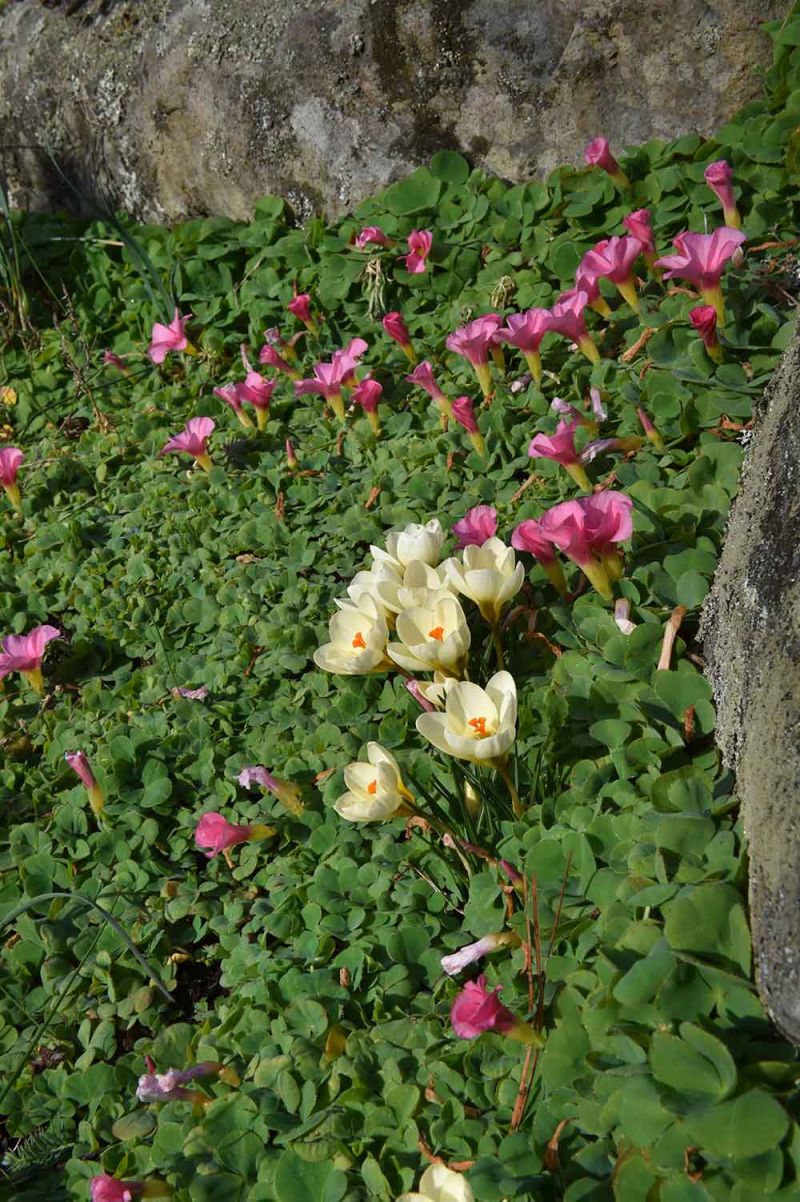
x=670 y=634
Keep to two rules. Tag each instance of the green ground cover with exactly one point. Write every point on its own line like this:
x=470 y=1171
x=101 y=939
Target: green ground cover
x=311 y=968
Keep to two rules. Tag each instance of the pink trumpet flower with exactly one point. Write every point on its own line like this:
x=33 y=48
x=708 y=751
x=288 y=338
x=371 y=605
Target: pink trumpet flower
x=566 y=318
x=464 y=413
x=613 y=259
x=525 y=331
x=651 y=433
x=397 y=329
x=719 y=177
x=560 y=447
x=347 y=360
x=587 y=280
x=171 y=1086
x=230 y=394
x=587 y=530
x=301 y=307
x=423 y=377
x=477 y=525
x=23 y=653
x=214 y=832
x=10 y=460
x=110 y=359
x=704 y=320
x=110 y=1189
x=270 y=356
x=372 y=234
x=598 y=154
x=419 y=245
x=287 y=793
x=170 y=338
x=474 y=341
x=367 y=394
x=193 y=440
x=256 y=391
x=328 y=382
x=81 y=767
x=701 y=260
x=478 y=1009
x=528 y=536
x=639 y=224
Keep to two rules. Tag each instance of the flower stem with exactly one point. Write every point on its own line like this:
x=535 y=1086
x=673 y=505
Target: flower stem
x=498 y=646
x=516 y=804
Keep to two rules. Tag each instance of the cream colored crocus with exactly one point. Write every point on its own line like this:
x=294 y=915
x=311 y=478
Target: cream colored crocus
x=359 y=635
x=489 y=575
x=368 y=584
x=413 y=542
x=478 y=725
x=440 y=1184
x=434 y=636
x=415 y=585
x=375 y=789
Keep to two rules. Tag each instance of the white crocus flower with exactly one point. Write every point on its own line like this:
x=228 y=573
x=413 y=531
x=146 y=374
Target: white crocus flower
x=359 y=635
x=414 y=542
x=412 y=588
x=369 y=583
x=478 y=724
x=375 y=789
x=434 y=636
x=440 y=1184
x=489 y=575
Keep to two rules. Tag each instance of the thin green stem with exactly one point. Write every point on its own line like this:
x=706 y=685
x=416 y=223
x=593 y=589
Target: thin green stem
x=498 y=646
x=516 y=804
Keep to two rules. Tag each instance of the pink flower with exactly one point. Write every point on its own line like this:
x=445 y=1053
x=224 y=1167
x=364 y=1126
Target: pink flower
x=170 y=1086
x=598 y=408
x=192 y=440
x=704 y=320
x=587 y=531
x=458 y=961
x=80 y=765
x=292 y=462
x=24 y=653
x=613 y=258
x=651 y=433
x=526 y=331
x=598 y=154
x=474 y=341
x=253 y=390
x=229 y=394
x=528 y=536
x=477 y=525
x=286 y=792
x=560 y=447
x=397 y=329
x=372 y=233
x=639 y=224
x=216 y=833
x=112 y=360
x=464 y=413
x=301 y=307
x=330 y=378
x=168 y=338
x=423 y=376
x=419 y=245
x=719 y=177
x=270 y=356
x=418 y=695
x=566 y=318
x=109 y=1189
x=701 y=260
x=10 y=460
x=477 y=1009
x=367 y=394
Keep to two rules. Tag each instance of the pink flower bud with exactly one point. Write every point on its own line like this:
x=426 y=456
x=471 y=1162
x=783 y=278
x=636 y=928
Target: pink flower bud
x=417 y=694
x=112 y=360
x=292 y=461
x=719 y=177
x=110 y=1189
x=301 y=307
x=464 y=413
x=367 y=394
x=704 y=320
x=372 y=234
x=477 y=1009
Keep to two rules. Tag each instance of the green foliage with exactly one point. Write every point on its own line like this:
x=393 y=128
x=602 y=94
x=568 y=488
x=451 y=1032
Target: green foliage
x=312 y=967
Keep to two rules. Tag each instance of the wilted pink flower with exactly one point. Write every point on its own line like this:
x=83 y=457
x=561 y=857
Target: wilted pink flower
x=622 y=616
x=372 y=233
x=301 y=307
x=419 y=245
x=199 y=694
x=193 y=440
x=477 y=525
x=719 y=177
x=10 y=460
x=474 y=341
x=639 y=224
x=560 y=447
x=457 y=961
x=587 y=531
x=704 y=320
x=397 y=329
x=477 y=1009
x=418 y=695
x=109 y=1189
x=598 y=154
x=464 y=413
x=24 y=653
x=601 y=446
x=564 y=409
x=598 y=408
x=423 y=377
x=170 y=1086
x=566 y=318
x=526 y=331
x=367 y=394
x=701 y=260
x=613 y=259
x=651 y=433
x=275 y=338
x=270 y=356
x=169 y=338
x=80 y=765
x=286 y=792
x=112 y=360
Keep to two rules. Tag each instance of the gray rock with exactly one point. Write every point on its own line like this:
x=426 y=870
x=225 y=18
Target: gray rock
x=751 y=632
x=171 y=108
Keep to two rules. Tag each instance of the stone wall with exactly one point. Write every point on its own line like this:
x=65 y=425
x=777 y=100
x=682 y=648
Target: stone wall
x=172 y=108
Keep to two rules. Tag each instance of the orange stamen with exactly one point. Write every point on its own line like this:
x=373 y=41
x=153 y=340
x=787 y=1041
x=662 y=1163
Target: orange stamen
x=358 y=641
x=372 y=787
x=437 y=633
x=479 y=726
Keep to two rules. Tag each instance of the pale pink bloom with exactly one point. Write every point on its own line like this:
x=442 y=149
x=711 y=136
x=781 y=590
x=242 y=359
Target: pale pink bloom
x=598 y=408
x=590 y=526
x=396 y=328
x=192 y=694
x=10 y=460
x=418 y=695
x=270 y=356
x=598 y=154
x=168 y=338
x=419 y=245
x=367 y=394
x=217 y=834
x=80 y=765
x=464 y=414
x=638 y=223
x=719 y=177
x=564 y=409
x=112 y=360
x=477 y=525
x=704 y=320
x=701 y=258
x=559 y=446
x=422 y=375
x=528 y=536
x=474 y=341
x=24 y=652
x=457 y=961
x=347 y=360
x=301 y=307
x=109 y=1189
x=170 y=1086
x=328 y=379
x=477 y=1009
x=284 y=790
x=613 y=258
x=372 y=233
x=525 y=330
x=587 y=281
x=192 y=440
x=255 y=390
